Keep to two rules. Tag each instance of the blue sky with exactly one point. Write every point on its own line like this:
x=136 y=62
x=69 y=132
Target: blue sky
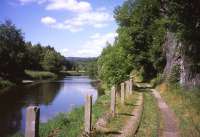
x=73 y=27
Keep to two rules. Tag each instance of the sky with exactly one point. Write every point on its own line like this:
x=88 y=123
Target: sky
x=75 y=28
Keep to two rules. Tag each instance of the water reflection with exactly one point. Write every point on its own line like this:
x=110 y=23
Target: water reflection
x=52 y=97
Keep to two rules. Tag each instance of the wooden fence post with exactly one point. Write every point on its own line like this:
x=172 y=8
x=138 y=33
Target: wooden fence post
x=113 y=100
x=131 y=86
x=122 y=93
x=127 y=88
x=88 y=114
x=32 y=121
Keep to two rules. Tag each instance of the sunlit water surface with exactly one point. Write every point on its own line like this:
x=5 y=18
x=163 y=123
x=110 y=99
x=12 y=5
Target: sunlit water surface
x=52 y=97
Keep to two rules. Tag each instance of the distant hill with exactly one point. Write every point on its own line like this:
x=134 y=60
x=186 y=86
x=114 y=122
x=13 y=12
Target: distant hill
x=80 y=59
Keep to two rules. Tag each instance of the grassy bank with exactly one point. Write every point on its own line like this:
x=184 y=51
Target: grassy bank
x=185 y=103
x=71 y=124
x=116 y=123
x=29 y=74
x=40 y=75
x=150 y=118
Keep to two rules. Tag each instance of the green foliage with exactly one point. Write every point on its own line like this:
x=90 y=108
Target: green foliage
x=157 y=80
x=175 y=74
x=113 y=65
x=63 y=125
x=12 y=51
x=184 y=21
x=16 y=55
x=52 y=61
x=45 y=58
x=141 y=34
x=138 y=45
x=92 y=69
x=39 y=74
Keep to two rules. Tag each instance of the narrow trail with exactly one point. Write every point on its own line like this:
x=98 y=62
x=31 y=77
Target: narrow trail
x=132 y=123
x=170 y=128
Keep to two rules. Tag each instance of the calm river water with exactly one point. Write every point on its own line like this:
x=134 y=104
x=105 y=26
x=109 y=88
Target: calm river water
x=52 y=98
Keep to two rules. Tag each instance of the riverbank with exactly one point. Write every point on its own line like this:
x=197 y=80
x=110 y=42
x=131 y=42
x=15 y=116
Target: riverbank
x=71 y=124
x=30 y=76
x=73 y=73
x=40 y=75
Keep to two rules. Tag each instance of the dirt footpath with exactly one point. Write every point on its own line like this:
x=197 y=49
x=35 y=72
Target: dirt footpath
x=170 y=128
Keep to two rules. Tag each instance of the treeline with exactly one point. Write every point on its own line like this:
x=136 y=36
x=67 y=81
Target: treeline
x=143 y=25
x=16 y=55
x=86 y=66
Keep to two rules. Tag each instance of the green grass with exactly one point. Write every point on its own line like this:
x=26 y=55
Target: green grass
x=64 y=125
x=116 y=123
x=40 y=75
x=150 y=118
x=71 y=124
x=186 y=105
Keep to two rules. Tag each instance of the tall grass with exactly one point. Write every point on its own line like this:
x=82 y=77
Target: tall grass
x=40 y=75
x=150 y=123
x=186 y=105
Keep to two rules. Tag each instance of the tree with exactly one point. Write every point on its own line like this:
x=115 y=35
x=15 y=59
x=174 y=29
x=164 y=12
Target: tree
x=52 y=61
x=113 y=65
x=12 y=51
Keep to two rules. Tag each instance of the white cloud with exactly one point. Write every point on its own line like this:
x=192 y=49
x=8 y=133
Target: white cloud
x=92 y=47
x=96 y=19
x=23 y=2
x=71 y=5
x=84 y=14
x=48 y=20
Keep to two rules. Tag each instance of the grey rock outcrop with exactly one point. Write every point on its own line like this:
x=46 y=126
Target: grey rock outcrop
x=175 y=57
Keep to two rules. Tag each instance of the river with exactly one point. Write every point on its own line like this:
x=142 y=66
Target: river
x=52 y=97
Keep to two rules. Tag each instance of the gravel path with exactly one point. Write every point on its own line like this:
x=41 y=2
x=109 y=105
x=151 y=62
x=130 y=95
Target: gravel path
x=170 y=128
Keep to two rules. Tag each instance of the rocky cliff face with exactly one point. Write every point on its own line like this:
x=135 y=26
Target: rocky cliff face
x=178 y=61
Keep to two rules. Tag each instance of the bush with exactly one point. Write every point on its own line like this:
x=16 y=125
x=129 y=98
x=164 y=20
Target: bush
x=157 y=80
x=175 y=74
x=5 y=83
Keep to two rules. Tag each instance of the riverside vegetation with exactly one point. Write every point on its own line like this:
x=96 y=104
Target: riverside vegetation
x=23 y=60
x=141 y=49
x=16 y=56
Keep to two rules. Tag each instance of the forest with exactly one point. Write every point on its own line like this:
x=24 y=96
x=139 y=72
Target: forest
x=158 y=40
x=17 y=55
x=144 y=46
